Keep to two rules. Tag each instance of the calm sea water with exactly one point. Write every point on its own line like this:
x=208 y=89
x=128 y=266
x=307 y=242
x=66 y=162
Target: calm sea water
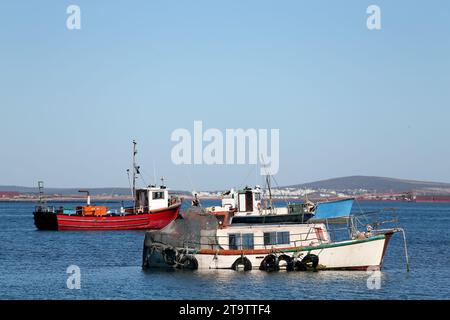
x=34 y=263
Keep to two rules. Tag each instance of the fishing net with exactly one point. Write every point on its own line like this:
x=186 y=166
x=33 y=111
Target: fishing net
x=196 y=229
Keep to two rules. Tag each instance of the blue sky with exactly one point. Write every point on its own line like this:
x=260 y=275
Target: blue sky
x=347 y=101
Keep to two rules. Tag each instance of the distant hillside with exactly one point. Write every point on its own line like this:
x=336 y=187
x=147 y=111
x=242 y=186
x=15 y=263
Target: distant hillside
x=377 y=184
x=350 y=185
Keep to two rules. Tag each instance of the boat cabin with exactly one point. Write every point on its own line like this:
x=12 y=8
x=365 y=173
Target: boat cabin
x=254 y=237
x=249 y=200
x=246 y=200
x=151 y=198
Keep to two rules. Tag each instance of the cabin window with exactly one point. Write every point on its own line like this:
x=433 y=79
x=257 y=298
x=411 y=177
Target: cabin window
x=247 y=241
x=158 y=195
x=233 y=241
x=283 y=237
x=142 y=198
x=238 y=241
x=257 y=196
x=270 y=238
x=274 y=238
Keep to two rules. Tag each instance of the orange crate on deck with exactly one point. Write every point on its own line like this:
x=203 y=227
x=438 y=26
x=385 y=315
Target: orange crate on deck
x=92 y=210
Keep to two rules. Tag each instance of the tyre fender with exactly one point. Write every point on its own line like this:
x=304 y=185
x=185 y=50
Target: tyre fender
x=270 y=263
x=242 y=261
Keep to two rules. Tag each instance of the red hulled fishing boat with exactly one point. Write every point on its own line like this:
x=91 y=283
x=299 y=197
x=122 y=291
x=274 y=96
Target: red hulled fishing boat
x=153 y=208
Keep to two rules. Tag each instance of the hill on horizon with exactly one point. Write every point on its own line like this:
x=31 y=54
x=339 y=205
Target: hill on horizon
x=376 y=184
x=370 y=183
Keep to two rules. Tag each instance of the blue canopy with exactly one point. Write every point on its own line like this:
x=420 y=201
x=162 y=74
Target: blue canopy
x=333 y=209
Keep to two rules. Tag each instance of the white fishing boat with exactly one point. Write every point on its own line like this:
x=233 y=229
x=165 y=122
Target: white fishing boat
x=200 y=240
x=249 y=206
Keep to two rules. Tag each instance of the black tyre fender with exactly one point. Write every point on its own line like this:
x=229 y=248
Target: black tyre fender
x=188 y=262
x=170 y=256
x=311 y=261
x=300 y=266
x=270 y=263
x=289 y=262
x=242 y=261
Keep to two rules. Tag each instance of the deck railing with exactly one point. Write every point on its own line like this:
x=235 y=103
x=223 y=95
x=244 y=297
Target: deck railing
x=304 y=238
x=368 y=223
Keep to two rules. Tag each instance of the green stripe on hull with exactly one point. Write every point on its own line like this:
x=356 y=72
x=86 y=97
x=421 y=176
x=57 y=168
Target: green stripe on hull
x=338 y=244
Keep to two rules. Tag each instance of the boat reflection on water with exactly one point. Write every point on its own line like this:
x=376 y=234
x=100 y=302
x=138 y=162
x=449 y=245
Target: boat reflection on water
x=228 y=284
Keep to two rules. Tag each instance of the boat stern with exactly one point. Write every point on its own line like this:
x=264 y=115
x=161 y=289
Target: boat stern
x=45 y=220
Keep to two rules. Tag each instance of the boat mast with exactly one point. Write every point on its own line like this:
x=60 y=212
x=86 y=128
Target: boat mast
x=268 y=183
x=41 y=192
x=270 y=192
x=135 y=170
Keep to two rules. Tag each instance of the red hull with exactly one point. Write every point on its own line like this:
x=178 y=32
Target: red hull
x=157 y=219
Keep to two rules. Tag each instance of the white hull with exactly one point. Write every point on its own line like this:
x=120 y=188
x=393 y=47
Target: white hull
x=346 y=255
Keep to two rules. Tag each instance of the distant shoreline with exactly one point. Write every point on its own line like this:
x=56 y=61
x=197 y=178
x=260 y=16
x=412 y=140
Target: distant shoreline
x=129 y=198
x=66 y=199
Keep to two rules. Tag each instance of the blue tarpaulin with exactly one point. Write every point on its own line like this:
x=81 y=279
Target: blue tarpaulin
x=333 y=209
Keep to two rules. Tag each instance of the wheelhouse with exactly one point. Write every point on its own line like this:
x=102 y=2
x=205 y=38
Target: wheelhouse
x=248 y=237
x=246 y=200
x=249 y=200
x=151 y=198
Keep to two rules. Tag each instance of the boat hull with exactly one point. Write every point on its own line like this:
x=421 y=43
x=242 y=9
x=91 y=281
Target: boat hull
x=347 y=255
x=153 y=220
